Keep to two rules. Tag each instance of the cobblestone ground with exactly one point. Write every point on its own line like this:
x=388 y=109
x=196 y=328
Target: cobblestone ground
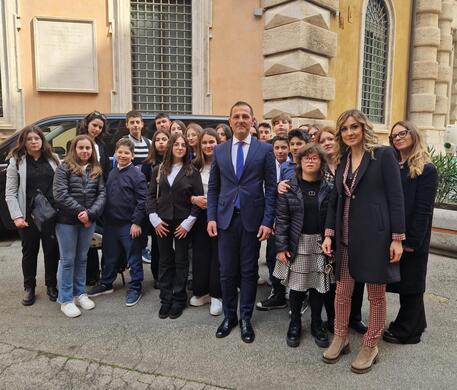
x=21 y=368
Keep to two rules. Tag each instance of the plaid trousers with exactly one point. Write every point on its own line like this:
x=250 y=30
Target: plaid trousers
x=376 y=297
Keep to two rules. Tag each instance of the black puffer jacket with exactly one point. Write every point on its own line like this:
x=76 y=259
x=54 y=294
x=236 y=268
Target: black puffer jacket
x=73 y=194
x=290 y=213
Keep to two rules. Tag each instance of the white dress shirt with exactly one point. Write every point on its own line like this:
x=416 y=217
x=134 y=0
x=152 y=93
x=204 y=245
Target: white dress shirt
x=247 y=143
x=188 y=223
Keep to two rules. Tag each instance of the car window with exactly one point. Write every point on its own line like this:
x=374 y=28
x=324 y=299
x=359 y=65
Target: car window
x=60 y=137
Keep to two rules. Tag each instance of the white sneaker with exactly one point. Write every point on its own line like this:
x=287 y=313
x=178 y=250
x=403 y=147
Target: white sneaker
x=84 y=301
x=216 y=307
x=70 y=310
x=200 y=301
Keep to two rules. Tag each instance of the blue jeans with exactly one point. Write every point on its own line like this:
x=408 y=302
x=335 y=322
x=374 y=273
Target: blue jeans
x=117 y=239
x=74 y=242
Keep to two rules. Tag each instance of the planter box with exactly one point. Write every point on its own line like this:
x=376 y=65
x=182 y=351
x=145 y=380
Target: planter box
x=444 y=232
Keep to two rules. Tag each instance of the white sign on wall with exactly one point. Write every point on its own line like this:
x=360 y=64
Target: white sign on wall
x=65 y=55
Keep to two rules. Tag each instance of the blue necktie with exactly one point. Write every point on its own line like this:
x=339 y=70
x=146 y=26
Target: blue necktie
x=239 y=169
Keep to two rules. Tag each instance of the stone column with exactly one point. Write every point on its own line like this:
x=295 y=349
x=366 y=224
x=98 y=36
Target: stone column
x=425 y=67
x=453 y=108
x=297 y=47
x=442 y=84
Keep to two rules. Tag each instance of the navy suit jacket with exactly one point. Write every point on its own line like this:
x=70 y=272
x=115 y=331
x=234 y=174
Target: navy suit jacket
x=259 y=173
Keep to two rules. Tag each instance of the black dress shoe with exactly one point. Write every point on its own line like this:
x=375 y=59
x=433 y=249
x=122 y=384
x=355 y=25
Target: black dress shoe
x=226 y=327
x=247 y=332
x=389 y=337
x=294 y=333
x=175 y=312
x=319 y=332
x=52 y=293
x=29 y=296
x=358 y=326
x=164 y=311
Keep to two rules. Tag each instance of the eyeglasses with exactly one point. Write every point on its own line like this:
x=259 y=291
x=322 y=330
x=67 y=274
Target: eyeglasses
x=311 y=158
x=400 y=135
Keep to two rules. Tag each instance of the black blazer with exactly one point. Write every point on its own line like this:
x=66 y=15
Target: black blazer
x=419 y=196
x=105 y=161
x=376 y=211
x=174 y=202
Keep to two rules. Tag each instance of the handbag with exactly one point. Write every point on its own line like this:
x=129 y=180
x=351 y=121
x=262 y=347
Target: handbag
x=42 y=210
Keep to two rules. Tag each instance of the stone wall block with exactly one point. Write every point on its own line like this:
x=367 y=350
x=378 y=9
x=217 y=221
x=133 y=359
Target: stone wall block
x=298 y=60
x=273 y=3
x=442 y=105
x=423 y=103
x=439 y=121
x=428 y=6
x=444 y=73
x=298 y=84
x=424 y=120
x=427 y=36
x=295 y=11
x=425 y=70
x=299 y=35
x=447 y=11
x=332 y=5
x=423 y=86
x=446 y=43
x=296 y=107
x=425 y=53
x=426 y=20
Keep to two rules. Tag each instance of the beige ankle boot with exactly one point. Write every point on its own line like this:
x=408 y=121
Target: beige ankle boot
x=365 y=359
x=338 y=347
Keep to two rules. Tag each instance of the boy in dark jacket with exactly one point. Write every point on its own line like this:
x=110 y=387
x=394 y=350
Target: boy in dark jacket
x=124 y=215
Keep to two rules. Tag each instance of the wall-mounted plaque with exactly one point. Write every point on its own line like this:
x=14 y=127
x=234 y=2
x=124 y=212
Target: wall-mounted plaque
x=65 y=55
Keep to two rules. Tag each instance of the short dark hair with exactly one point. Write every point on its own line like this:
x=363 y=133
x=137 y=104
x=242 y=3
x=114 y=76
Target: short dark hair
x=161 y=115
x=301 y=134
x=133 y=114
x=265 y=124
x=126 y=142
x=279 y=138
x=242 y=103
x=306 y=150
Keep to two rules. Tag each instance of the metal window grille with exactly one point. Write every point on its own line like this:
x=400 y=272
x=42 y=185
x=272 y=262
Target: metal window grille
x=161 y=47
x=375 y=61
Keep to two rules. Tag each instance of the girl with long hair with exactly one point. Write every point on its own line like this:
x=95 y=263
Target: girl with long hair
x=419 y=180
x=224 y=132
x=205 y=261
x=79 y=193
x=172 y=214
x=95 y=126
x=192 y=134
x=157 y=151
x=366 y=223
x=177 y=127
x=31 y=169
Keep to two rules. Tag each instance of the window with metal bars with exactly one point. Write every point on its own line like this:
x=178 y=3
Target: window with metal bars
x=375 y=59
x=161 y=45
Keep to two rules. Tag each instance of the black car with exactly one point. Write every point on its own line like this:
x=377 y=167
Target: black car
x=61 y=129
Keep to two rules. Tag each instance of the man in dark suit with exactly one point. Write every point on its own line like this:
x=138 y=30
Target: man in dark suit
x=241 y=208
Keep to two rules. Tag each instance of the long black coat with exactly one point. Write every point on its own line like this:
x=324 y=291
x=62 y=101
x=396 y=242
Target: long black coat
x=290 y=213
x=376 y=211
x=419 y=196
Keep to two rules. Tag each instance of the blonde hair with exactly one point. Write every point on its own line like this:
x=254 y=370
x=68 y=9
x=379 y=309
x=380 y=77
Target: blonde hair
x=419 y=155
x=369 y=140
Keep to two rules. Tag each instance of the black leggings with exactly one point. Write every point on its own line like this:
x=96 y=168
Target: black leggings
x=316 y=301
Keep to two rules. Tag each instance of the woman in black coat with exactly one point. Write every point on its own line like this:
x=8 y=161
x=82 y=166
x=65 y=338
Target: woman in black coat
x=420 y=180
x=173 y=183
x=366 y=221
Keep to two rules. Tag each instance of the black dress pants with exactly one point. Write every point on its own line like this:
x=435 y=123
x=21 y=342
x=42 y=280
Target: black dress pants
x=173 y=267
x=410 y=322
x=30 y=238
x=316 y=302
x=154 y=255
x=205 y=260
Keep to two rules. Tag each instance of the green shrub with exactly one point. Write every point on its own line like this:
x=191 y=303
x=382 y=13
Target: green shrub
x=446 y=166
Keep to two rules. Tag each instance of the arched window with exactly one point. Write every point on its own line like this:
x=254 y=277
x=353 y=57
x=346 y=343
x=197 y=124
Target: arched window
x=375 y=61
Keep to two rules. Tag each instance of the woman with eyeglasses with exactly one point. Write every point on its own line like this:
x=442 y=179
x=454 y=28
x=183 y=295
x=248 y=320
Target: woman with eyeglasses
x=301 y=264
x=420 y=180
x=366 y=225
